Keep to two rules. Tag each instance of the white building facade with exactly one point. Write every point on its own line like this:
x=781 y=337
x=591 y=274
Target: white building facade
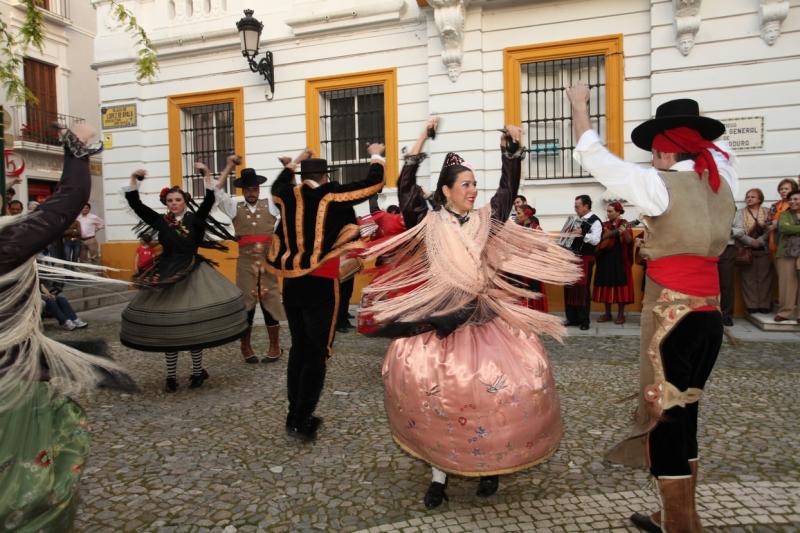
x=352 y=71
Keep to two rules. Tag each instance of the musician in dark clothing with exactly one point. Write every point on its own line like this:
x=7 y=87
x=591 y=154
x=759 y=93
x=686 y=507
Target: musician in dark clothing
x=586 y=236
x=314 y=231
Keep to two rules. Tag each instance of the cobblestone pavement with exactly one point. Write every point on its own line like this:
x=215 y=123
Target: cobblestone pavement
x=217 y=458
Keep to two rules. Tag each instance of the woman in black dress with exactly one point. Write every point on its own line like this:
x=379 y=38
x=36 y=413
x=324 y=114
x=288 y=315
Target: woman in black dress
x=186 y=303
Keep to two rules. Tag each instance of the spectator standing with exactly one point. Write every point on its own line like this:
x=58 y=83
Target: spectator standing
x=787 y=260
x=519 y=200
x=726 y=267
x=90 y=225
x=72 y=242
x=751 y=231
x=785 y=188
x=145 y=254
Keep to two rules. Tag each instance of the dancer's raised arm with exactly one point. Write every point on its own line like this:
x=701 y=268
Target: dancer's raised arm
x=511 y=147
x=411 y=196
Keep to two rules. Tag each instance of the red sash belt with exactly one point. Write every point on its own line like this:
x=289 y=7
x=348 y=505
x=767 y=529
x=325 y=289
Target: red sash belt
x=253 y=239
x=329 y=269
x=689 y=274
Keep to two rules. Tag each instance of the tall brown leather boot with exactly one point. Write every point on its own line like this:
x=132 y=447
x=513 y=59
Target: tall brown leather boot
x=677 y=513
x=247 y=350
x=275 y=351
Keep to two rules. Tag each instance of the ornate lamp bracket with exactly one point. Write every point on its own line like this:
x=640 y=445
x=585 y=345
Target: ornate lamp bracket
x=771 y=14
x=449 y=17
x=687 y=23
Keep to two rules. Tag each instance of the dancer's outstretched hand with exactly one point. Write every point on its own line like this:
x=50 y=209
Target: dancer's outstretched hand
x=233 y=160
x=303 y=155
x=285 y=160
x=578 y=94
x=138 y=175
x=376 y=148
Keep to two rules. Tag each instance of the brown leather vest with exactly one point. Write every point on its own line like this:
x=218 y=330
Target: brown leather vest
x=259 y=223
x=697 y=220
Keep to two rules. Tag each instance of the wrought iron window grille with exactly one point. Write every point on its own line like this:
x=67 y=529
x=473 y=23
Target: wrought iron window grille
x=350 y=120
x=546 y=113
x=206 y=136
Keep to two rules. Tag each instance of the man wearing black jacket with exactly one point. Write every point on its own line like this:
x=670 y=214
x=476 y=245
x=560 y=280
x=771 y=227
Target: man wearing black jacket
x=313 y=233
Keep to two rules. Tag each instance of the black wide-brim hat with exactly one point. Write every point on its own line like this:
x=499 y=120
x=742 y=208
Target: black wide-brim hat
x=249 y=178
x=315 y=165
x=675 y=114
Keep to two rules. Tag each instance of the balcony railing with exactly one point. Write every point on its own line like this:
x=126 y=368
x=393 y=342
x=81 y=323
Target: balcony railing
x=31 y=124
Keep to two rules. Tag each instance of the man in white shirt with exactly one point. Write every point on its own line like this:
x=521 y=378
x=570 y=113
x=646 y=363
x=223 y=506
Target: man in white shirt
x=587 y=234
x=90 y=225
x=254 y=221
x=687 y=198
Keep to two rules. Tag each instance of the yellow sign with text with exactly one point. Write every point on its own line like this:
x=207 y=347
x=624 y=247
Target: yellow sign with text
x=118 y=116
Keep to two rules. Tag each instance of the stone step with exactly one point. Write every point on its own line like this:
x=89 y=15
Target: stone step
x=766 y=322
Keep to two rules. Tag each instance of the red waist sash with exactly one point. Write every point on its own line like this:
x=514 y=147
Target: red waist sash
x=329 y=269
x=690 y=274
x=253 y=239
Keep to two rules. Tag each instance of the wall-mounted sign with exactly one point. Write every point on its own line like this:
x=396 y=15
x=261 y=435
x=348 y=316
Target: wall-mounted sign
x=745 y=133
x=118 y=116
x=108 y=141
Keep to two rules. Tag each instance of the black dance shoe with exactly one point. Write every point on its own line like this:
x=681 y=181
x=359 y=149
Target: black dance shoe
x=645 y=523
x=584 y=326
x=197 y=379
x=435 y=495
x=306 y=430
x=727 y=321
x=487 y=486
x=74 y=144
x=344 y=326
x=171 y=385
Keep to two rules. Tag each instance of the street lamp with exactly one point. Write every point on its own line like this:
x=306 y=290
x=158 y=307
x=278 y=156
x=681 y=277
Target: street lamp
x=250 y=35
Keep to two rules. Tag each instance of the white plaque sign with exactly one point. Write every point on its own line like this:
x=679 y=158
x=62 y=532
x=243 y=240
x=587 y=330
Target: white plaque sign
x=745 y=133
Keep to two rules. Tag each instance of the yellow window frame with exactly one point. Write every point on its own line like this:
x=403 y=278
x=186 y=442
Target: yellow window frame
x=176 y=103
x=609 y=46
x=386 y=78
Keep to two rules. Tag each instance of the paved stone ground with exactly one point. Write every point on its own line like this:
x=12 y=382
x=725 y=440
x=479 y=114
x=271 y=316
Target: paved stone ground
x=217 y=458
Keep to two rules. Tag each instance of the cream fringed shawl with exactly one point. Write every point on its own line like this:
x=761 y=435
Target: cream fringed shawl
x=450 y=267
x=24 y=348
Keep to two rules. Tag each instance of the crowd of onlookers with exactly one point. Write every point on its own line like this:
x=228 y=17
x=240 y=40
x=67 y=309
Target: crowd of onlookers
x=765 y=242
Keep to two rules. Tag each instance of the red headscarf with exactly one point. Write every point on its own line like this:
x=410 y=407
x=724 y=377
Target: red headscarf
x=618 y=207
x=689 y=141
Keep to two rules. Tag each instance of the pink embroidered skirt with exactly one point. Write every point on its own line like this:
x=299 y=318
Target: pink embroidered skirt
x=481 y=401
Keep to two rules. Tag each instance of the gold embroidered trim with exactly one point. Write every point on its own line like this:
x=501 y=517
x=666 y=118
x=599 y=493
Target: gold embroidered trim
x=322 y=212
x=276 y=245
x=298 y=224
x=669 y=309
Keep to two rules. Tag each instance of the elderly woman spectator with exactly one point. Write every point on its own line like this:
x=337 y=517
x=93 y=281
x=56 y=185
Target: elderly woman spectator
x=785 y=188
x=751 y=231
x=787 y=260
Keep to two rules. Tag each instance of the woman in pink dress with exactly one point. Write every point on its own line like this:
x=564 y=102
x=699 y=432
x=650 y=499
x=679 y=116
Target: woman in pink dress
x=468 y=385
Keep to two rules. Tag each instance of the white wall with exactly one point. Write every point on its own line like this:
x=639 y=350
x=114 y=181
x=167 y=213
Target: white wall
x=730 y=71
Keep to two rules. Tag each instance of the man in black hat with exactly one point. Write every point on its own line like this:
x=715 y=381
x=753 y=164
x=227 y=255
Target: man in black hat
x=313 y=233
x=687 y=200
x=254 y=221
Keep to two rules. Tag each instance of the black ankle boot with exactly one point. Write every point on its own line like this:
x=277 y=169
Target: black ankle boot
x=171 y=385
x=197 y=379
x=488 y=485
x=435 y=495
